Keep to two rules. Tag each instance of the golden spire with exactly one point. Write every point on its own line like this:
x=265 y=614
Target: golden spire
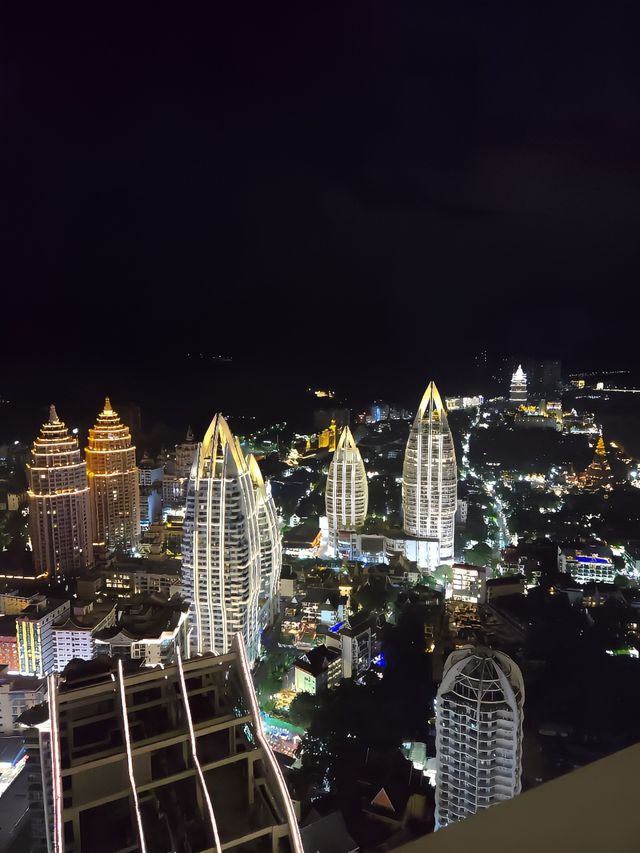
x=254 y=471
x=53 y=415
x=107 y=406
x=346 y=440
x=431 y=400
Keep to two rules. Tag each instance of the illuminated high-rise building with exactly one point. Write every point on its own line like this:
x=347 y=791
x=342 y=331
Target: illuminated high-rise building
x=59 y=514
x=478 y=733
x=113 y=482
x=518 y=391
x=347 y=490
x=270 y=545
x=429 y=476
x=221 y=546
x=185 y=454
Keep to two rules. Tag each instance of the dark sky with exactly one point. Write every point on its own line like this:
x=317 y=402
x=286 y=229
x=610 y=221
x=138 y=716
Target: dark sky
x=386 y=184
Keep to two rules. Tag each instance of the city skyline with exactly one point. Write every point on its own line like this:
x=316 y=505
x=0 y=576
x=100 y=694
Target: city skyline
x=59 y=502
x=359 y=287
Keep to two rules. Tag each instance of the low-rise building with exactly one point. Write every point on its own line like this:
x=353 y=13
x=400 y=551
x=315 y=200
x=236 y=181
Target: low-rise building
x=468 y=582
x=587 y=563
x=288 y=582
x=17 y=694
x=356 y=639
x=136 y=576
x=14 y=602
x=319 y=604
x=507 y=585
x=74 y=636
x=9 y=644
x=318 y=670
x=34 y=633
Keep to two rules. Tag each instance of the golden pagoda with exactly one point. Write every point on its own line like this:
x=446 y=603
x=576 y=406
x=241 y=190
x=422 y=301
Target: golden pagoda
x=598 y=475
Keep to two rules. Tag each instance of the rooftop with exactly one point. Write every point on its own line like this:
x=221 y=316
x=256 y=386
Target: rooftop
x=317 y=660
x=589 y=809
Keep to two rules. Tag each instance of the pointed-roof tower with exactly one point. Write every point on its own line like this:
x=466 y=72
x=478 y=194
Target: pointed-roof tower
x=113 y=482
x=429 y=475
x=58 y=496
x=220 y=452
x=346 y=493
x=221 y=545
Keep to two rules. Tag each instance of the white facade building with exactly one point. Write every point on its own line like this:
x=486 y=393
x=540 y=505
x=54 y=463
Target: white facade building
x=59 y=514
x=429 y=476
x=185 y=454
x=221 y=546
x=518 y=392
x=270 y=545
x=347 y=492
x=478 y=733
x=74 y=635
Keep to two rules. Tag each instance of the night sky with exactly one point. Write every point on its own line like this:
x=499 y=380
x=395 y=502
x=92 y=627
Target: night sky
x=389 y=185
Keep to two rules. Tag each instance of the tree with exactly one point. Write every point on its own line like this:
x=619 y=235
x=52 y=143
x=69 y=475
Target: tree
x=443 y=574
x=302 y=710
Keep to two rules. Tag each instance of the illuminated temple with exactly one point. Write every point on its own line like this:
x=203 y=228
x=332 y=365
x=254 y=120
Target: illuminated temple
x=598 y=475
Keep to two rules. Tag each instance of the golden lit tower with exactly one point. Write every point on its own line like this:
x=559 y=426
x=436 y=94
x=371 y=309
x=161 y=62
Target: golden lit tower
x=59 y=516
x=113 y=481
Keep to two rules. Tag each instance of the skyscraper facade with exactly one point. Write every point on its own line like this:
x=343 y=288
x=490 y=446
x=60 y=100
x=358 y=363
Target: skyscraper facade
x=347 y=490
x=221 y=546
x=518 y=390
x=58 y=495
x=113 y=483
x=157 y=760
x=429 y=475
x=478 y=733
x=270 y=544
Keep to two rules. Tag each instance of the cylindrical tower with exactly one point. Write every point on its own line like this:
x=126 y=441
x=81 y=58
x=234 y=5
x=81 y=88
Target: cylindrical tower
x=478 y=733
x=59 y=515
x=113 y=483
